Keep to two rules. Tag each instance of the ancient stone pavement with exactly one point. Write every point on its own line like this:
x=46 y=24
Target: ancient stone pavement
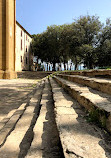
x=41 y=119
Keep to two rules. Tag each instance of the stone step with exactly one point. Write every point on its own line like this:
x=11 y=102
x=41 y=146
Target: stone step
x=79 y=138
x=46 y=139
x=92 y=73
x=7 y=124
x=17 y=143
x=100 y=84
x=97 y=103
x=36 y=145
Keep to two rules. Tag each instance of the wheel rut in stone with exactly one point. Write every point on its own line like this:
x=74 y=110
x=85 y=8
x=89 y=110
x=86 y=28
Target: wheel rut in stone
x=46 y=142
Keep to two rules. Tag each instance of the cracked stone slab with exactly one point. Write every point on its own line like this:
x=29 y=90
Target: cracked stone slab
x=78 y=137
x=89 y=98
x=8 y=127
x=11 y=147
x=100 y=84
x=45 y=141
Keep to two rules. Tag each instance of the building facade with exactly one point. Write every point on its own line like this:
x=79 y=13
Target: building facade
x=23 y=57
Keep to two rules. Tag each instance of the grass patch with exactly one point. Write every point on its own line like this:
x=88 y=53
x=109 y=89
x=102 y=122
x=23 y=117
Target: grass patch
x=97 y=116
x=31 y=86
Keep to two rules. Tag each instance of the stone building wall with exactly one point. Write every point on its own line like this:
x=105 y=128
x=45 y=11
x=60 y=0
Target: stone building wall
x=23 y=54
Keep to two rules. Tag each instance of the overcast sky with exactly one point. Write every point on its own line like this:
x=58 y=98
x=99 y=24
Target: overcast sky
x=36 y=15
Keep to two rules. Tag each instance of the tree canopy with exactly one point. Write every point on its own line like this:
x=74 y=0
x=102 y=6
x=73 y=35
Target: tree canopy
x=85 y=40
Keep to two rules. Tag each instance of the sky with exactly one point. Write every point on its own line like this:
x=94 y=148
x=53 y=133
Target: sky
x=36 y=15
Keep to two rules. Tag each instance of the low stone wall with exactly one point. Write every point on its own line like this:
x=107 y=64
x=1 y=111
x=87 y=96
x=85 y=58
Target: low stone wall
x=101 y=84
x=92 y=73
x=96 y=103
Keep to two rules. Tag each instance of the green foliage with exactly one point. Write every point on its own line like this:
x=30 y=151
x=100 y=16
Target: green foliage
x=104 y=47
x=86 y=41
x=97 y=116
x=88 y=28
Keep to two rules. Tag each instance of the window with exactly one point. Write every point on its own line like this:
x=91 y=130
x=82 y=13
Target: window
x=21 y=44
x=21 y=33
x=26 y=60
x=21 y=59
x=26 y=37
x=26 y=48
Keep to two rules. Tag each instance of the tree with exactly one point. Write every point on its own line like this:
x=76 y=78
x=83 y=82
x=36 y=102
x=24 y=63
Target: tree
x=88 y=28
x=89 y=56
x=64 y=43
x=104 y=47
x=76 y=41
x=46 y=45
x=53 y=36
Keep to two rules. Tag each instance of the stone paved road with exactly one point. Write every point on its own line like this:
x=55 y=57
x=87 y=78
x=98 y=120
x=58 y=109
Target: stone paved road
x=13 y=93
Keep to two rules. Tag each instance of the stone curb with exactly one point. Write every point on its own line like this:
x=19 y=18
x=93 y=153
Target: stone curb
x=36 y=145
x=102 y=85
x=91 y=101
x=62 y=112
x=93 y=73
x=71 y=126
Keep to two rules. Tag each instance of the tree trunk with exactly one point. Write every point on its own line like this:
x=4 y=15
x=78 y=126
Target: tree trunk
x=59 y=66
x=64 y=66
x=70 y=67
x=37 y=60
x=47 y=66
x=76 y=64
x=54 y=66
x=67 y=67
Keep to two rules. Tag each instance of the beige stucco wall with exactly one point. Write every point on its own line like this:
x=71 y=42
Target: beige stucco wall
x=19 y=66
